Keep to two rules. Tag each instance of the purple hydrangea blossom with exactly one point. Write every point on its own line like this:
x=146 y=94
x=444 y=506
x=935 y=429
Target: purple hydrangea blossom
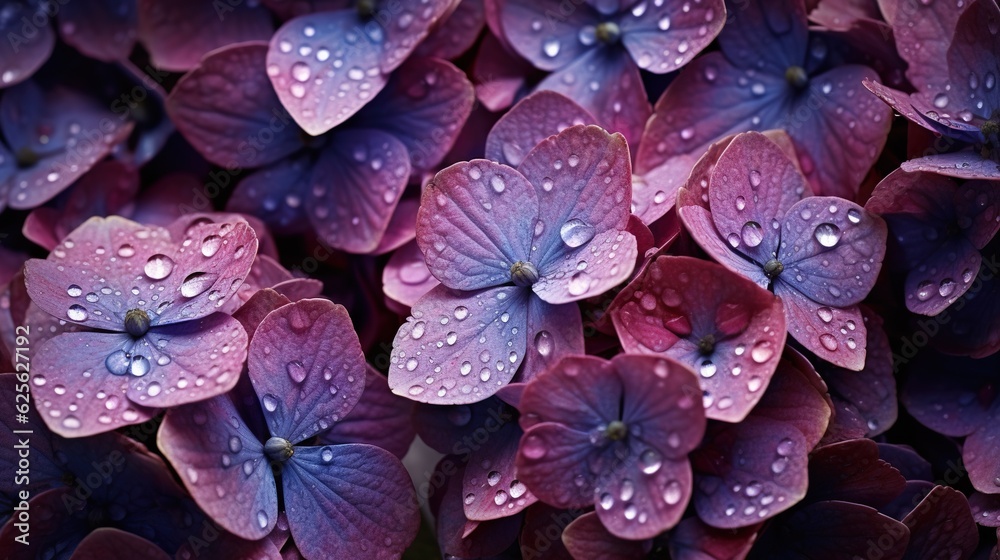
x=614 y=435
x=513 y=247
x=308 y=372
x=595 y=49
x=821 y=255
x=149 y=301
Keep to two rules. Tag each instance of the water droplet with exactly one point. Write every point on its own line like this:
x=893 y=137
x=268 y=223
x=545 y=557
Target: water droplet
x=301 y=72
x=825 y=314
x=139 y=366
x=650 y=461
x=461 y=312
x=197 y=283
x=270 y=402
x=579 y=284
x=947 y=287
x=493 y=478
x=752 y=234
x=296 y=371
x=672 y=493
x=762 y=352
x=687 y=133
x=754 y=178
x=533 y=447
x=827 y=234
x=153 y=389
x=71 y=423
x=607 y=502
x=262 y=519
x=828 y=341
x=754 y=384
x=158 y=267
x=854 y=216
x=941 y=101
x=497 y=183
x=551 y=48
x=707 y=369
x=924 y=291
x=778 y=466
x=576 y=232
x=210 y=245
x=741 y=203
x=418 y=330
x=76 y=313
x=664 y=23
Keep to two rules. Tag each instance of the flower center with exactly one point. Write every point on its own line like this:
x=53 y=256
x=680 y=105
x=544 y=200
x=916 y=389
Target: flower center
x=523 y=273
x=796 y=77
x=616 y=430
x=706 y=345
x=991 y=136
x=278 y=450
x=26 y=157
x=136 y=322
x=366 y=8
x=608 y=32
x=773 y=268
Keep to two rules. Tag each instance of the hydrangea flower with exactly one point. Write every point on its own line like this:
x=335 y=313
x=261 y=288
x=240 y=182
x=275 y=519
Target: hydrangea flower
x=937 y=229
x=511 y=247
x=148 y=299
x=346 y=183
x=327 y=65
x=53 y=137
x=770 y=73
x=721 y=325
x=949 y=48
x=595 y=49
x=308 y=372
x=821 y=255
x=614 y=435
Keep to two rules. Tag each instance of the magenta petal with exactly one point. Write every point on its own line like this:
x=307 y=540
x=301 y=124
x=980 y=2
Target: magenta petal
x=490 y=486
x=607 y=83
x=964 y=164
x=471 y=226
x=832 y=250
x=24 y=54
x=752 y=187
x=660 y=498
x=534 y=118
x=554 y=331
x=107 y=543
x=371 y=168
x=549 y=43
x=380 y=418
x=500 y=75
x=178 y=34
x=698 y=221
x=104 y=31
x=211 y=350
x=406 y=277
x=941 y=525
x=276 y=195
x=402 y=227
x=219 y=458
x=985 y=509
x=749 y=472
x=456 y=34
x=69 y=370
x=233 y=127
x=424 y=105
x=678 y=302
x=583 y=178
x=47 y=125
x=587 y=537
x=663 y=37
x=302 y=356
x=459 y=348
x=835 y=334
x=458 y=535
x=345 y=499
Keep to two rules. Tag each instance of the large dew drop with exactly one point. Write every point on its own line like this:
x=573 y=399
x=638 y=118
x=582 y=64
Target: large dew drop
x=827 y=235
x=576 y=232
x=197 y=283
x=158 y=267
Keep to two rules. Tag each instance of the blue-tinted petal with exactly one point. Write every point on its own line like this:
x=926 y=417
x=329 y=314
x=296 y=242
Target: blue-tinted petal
x=104 y=31
x=764 y=35
x=380 y=418
x=276 y=194
x=533 y=119
x=28 y=45
x=662 y=37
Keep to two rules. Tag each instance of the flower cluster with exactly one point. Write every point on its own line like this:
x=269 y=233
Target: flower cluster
x=500 y=279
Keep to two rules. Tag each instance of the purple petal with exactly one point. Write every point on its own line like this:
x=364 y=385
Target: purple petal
x=851 y=471
x=459 y=348
x=380 y=418
x=106 y=31
x=973 y=328
x=583 y=179
x=872 y=391
x=833 y=529
x=570 y=274
x=964 y=164
x=210 y=350
x=353 y=213
x=950 y=405
x=581 y=392
x=749 y=472
x=490 y=485
x=195 y=280
x=55 y=530
x=969 y=71
x=457 y=534
x=29 y=45
x=607 y=83
x=835 y=334
x=554 y=331
x=906 y=460
x=364 y=498
x=456 y=34
x=831 y=249
x=534 y=118
x=62 y=131
x=645 y=34
x=107 y=543
x=561 y=456
x=982 y=457
x=402 y=227
x=985 y=509
x=219 y=458
x=406 y=277
x=276 y=194
x=765 y=35
x=178 y=34
x=908 y=107
x=678 y=302
x=752 y=187
x=941 y=525
x=424 y=105
x=797 y=395
x=649 y=503
x=698 y=221
x=46 y=469
x=692 y=540
x=500 y=76
x=549 y=43
x=75 y=391
x=471 y=224
x=587 y=537
x=233 y=128
x=307 y=367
